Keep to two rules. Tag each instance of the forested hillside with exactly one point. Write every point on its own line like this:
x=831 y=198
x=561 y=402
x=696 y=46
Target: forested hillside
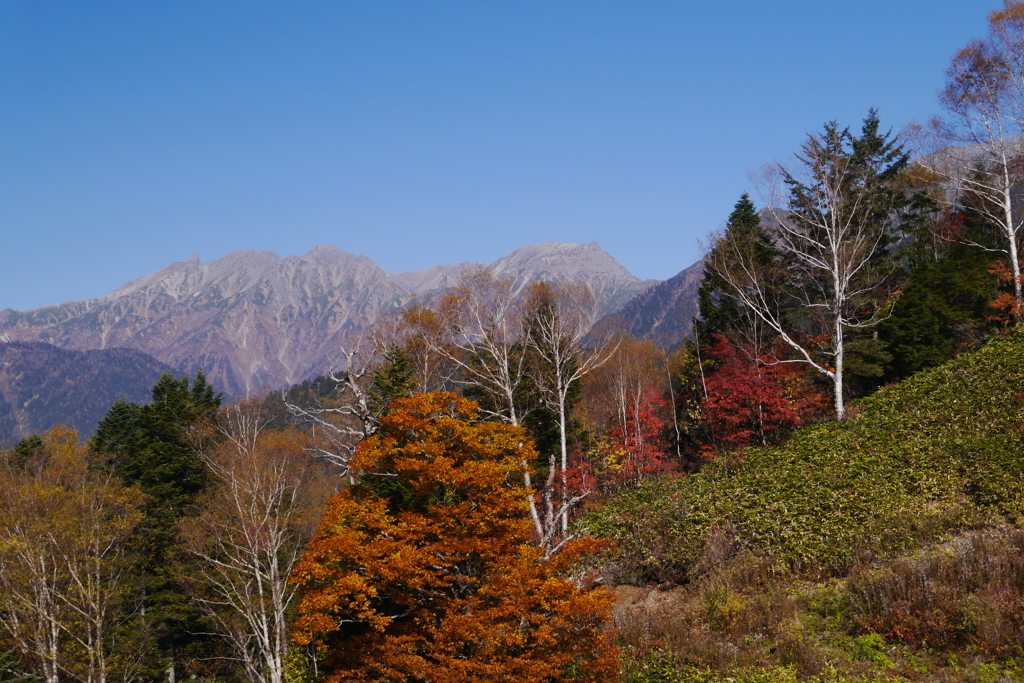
x=42 y=385
x=888 y=543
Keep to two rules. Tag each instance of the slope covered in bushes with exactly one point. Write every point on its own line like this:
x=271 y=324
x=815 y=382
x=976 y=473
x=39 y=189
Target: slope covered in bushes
x=937 y=453
x=888 y=546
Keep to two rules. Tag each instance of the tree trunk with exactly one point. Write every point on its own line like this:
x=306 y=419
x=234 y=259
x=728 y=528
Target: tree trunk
x=837 y=376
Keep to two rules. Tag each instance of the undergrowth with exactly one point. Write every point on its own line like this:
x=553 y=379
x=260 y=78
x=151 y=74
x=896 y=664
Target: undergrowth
x=936 y=454
x=884 y=547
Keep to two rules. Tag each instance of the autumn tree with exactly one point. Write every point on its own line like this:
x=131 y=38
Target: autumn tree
x=523 y=354
x=248 y=531
x=502 y=343
x=984 y=98
x=752 y=399
x=421 y=332
x=832 y=227
x=624 y=399
x=426 y=571
x=66 y=562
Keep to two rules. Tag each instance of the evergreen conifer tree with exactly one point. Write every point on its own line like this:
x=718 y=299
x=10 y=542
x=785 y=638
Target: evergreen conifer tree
x=719 y=312
x=392 y=379
x=149 y=446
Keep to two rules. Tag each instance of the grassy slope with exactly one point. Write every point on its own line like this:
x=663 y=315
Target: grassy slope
x=928 y=462
x=936 y=452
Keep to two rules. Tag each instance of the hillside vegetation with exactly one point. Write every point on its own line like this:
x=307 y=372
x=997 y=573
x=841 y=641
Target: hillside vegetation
x=885 y=544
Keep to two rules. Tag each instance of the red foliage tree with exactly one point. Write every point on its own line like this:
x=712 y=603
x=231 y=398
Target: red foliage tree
x=752 y=399
x=426 y=569
x=1006 y=302
x=638 y=439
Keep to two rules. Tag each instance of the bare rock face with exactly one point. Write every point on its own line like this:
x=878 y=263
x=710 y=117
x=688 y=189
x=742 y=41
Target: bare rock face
x=586 y=264
x=254 y=319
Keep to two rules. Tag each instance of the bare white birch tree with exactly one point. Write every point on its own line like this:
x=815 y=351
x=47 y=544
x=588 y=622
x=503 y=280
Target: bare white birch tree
x=984 y=96
x=251 y=528
x=347 y=418
x=482 y=318
x=831 y=227
x=561 y=318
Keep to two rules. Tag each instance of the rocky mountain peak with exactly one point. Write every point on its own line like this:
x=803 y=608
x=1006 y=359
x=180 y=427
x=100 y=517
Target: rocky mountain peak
x=253 y=319
x=562 y=258
x=587 y=264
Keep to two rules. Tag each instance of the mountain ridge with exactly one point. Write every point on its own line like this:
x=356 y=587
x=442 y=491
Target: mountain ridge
x=254 y=320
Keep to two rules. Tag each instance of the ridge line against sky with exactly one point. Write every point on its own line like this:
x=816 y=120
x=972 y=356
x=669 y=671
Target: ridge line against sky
x=418 y=134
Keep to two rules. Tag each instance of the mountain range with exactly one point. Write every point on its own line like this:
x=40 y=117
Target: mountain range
x=255 y=320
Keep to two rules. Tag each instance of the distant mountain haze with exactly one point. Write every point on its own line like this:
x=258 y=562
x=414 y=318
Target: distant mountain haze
x=255 y=320
x=665 y=312
x=42 y=385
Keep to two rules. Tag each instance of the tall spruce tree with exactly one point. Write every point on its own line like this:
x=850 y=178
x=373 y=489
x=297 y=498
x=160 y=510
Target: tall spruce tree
x=392 y=379
x=151 y=446
x=719 y=312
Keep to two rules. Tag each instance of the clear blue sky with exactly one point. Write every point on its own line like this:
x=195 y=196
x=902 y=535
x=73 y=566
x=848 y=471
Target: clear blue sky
x=135 y=133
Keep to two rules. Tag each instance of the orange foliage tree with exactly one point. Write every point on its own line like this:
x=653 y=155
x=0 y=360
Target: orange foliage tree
x=426 y=569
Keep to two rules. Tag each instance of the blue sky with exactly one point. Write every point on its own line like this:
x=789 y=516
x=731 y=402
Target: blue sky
x=134 y=134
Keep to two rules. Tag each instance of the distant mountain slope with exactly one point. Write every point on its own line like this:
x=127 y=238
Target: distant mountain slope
x=42 y=385
x=254 y=319
x=588 y=264
x=665 y=312
x=250 y=319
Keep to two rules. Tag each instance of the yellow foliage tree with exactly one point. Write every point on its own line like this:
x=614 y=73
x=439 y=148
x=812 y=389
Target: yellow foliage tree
x=66 y=564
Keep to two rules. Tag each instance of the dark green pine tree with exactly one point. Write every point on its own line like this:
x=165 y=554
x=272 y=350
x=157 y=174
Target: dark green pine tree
x=149 y=446
x=719 y=314
x=392 y=379
x=26 y=448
